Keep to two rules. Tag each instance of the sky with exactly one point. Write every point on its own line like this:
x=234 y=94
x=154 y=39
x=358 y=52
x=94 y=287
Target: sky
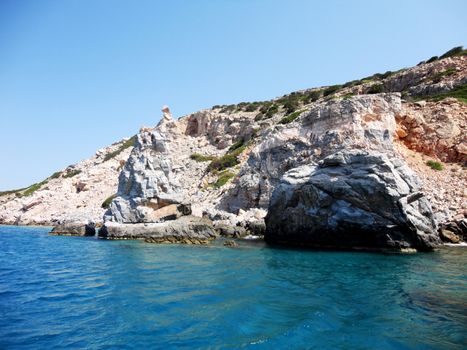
x=78 y=75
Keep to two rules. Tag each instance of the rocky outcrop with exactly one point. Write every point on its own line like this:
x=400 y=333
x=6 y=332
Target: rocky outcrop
x=147 y=185
x=352 y=199
x=454 y=231
x=74 y=229
x=187 y=229
x=360 y=122
x=225 y=163
x=436 y=129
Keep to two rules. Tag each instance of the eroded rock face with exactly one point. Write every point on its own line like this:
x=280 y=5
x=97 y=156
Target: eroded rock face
x=436 y=129
x=352 y=199
x=146 y=183
x=361 y=122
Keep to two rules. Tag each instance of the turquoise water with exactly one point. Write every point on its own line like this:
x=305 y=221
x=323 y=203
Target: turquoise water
x=75 y=293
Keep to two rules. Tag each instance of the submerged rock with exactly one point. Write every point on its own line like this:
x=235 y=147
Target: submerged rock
x=187 y=229
x=352 y=199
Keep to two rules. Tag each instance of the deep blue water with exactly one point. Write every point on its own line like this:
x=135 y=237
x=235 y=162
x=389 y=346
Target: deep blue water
x=72 y=293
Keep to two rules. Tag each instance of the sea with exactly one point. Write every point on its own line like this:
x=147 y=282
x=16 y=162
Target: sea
x=61 y=292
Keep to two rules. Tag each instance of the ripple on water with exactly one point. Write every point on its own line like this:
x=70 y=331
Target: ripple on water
x=66 y=292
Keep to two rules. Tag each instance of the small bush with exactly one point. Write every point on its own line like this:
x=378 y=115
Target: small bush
x=434 y=165
x=236 y=145
x=455 y=51
x=290 y=118
x=31 y=189
x=224 y=162
x=459 y=92
x=351 y=83
x=201 y=158
x=71 y=173
x=223 y=178
x=228 y=109
x=376 y=89
x=432 y=59
x=311 y=96
x=228 y=160
x=445 y=73
x=4 y=193
x=106 y=204
x=127 y=144
x=331 y=89
x=347 y=96
x=55 y=175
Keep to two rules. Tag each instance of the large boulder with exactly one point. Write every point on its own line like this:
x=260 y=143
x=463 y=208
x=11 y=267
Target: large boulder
x=352 y=199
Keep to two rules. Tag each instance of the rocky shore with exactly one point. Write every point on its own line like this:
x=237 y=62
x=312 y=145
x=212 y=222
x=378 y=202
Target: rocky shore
x=343 y=167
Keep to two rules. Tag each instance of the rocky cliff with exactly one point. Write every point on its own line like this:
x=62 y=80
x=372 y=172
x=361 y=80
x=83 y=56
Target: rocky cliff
x=228 y=162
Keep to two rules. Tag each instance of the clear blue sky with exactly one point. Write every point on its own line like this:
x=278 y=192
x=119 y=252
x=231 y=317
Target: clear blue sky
x=77 y=75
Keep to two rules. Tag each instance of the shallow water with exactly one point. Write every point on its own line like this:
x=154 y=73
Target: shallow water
x=71 y=292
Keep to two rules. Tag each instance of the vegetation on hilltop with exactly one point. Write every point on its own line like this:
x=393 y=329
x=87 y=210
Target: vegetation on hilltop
x=127 y=144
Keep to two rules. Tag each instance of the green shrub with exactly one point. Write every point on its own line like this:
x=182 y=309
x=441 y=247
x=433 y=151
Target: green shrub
x=252 y=107
x=228 y=160
x=201 y=158
x=455 y=51
x=351 y=83
x=228 y=109
x=311 y=96
x=432 y=59
x=265 y=107
x=290 y=118
x=459 y=92
x=236 y=145
x=127 y=144
x=71 y=173
x=224 y=162
x=331 y=90
x=267 y=111
x=223 y=178
x=17 y=192
x=347 y=96
x=445 y=73
x=106 y=204
x=55 y=175
x=291 y=106
x=31 y=189
x=376 y=89
x=434 y=165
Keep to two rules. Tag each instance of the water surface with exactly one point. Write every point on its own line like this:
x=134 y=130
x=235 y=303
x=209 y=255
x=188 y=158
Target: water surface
x=72 y=292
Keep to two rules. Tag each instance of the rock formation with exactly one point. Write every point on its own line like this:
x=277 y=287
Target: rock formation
x=148 y=191
x=352 y=199
x=229 y=163
x=187 y=229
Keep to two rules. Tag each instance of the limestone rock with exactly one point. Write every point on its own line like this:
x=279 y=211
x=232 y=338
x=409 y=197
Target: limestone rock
x=362 y=122
x=187 y=229
x=448 y=236
x=74 y=229
x=146 y=183
x=352 y=199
